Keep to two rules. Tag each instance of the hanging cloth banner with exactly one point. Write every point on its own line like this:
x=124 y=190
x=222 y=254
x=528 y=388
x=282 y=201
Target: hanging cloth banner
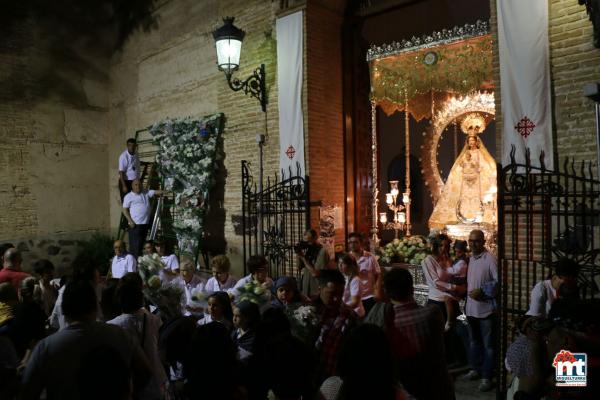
x=525 y=80
x=289 y=83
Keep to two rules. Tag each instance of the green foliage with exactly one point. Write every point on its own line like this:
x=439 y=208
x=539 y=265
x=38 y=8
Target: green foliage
x=98 y=249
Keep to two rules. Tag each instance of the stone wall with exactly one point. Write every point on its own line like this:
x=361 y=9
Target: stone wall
x=53 y=158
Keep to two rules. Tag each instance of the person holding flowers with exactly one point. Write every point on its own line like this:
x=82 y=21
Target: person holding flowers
x=259 y=275
x=221 y=279
x=193 y=287
x=170 y=260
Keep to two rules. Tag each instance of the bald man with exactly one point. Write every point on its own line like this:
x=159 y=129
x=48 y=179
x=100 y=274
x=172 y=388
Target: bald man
x=122 y=262
x=11 y=272
x=482 y=278
x=137 y=209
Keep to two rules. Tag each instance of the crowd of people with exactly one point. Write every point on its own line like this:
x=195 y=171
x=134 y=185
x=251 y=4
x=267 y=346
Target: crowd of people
x=364 y=336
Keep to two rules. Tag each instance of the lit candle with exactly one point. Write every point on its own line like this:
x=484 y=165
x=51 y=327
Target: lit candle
x=388 y=198
x=383 y=217
x=405 y=198
x=401 y=217
x=493 y=190
x=394 y=191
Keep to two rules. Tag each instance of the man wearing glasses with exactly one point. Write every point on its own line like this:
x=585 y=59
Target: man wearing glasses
x=482 y=279
x=369 y=270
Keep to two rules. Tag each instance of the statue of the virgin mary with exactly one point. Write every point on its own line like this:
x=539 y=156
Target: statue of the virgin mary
x=471 y=182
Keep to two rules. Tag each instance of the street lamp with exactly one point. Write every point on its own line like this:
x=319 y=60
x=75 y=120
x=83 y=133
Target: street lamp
x=228 y=44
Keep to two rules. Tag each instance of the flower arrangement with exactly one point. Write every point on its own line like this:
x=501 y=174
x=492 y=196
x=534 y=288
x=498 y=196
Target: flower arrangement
x=303 y=321
x=253 y=292
x=163 y=295
x=187 y=160
x=410 y=250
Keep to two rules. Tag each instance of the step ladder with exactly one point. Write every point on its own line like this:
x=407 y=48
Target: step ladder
x=164 y=212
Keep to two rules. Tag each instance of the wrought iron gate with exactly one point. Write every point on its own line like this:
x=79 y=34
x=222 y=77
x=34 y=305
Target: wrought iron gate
x=544 y=215
x=283 y=207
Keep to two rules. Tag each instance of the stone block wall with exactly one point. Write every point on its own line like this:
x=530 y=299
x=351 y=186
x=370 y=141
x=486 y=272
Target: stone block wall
x=53 y=158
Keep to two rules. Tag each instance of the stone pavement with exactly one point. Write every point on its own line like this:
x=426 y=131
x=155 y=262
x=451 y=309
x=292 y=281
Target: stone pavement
x=467 y=390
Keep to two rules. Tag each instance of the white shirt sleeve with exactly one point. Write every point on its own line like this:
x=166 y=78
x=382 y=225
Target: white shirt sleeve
x=174 y=262
x=459 y=269
x=537 y=304
x=355 y=287
x=127 y=201
x=122 y=162
x=131 y=263
x=150 y=193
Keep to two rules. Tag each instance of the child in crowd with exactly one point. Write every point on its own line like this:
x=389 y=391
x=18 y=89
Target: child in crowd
x=349 y=267
x=246 y=316
x=192 y=285
x=170 y=260
x=286 y=293
x=218 y=310
x=458 y=272
x=44 y=269
x=221 y=281
x=149 y=248
x=259 y=272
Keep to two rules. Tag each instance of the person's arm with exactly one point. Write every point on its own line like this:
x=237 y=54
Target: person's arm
x=32 y=383
x=128 y=216
x=308 y=265
x=131 y=264
x=536 y=303
x=432 y=271
x=354 y=293
x=122 y=169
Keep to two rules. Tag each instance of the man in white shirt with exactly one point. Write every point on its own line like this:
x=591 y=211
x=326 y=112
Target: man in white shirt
x=169 y=259
x=481 y=311
x=137 y=209
x=122 y=262
x=544 y=293
x=193 y=287
x=129 y=167
x=369 y=270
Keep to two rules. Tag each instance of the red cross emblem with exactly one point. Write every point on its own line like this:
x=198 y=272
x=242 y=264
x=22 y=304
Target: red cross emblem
x=290 y=152
x=525 y=127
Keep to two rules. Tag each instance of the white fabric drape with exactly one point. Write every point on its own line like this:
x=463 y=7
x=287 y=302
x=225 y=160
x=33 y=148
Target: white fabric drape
x=525 y=79
x=289 y=83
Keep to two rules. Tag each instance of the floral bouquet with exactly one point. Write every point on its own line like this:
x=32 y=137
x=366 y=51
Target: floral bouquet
x=187 y=160
x=253 y=292
x=199 y=299
x=163 y=295
x=410 y=250
x=303 y=321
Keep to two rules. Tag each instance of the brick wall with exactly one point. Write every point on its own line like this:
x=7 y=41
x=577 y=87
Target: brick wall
x=574 y=62
x=325 y=128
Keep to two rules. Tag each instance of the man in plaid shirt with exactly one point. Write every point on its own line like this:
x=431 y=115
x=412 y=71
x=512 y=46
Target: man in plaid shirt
x=335 y=319
x=417 y=338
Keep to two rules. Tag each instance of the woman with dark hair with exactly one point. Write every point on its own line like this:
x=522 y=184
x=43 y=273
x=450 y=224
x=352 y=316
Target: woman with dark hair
x=436 y=270
x=311 y=258
x=218 y=310
x=246 y=317
x=44 y=269
x=365 y=368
